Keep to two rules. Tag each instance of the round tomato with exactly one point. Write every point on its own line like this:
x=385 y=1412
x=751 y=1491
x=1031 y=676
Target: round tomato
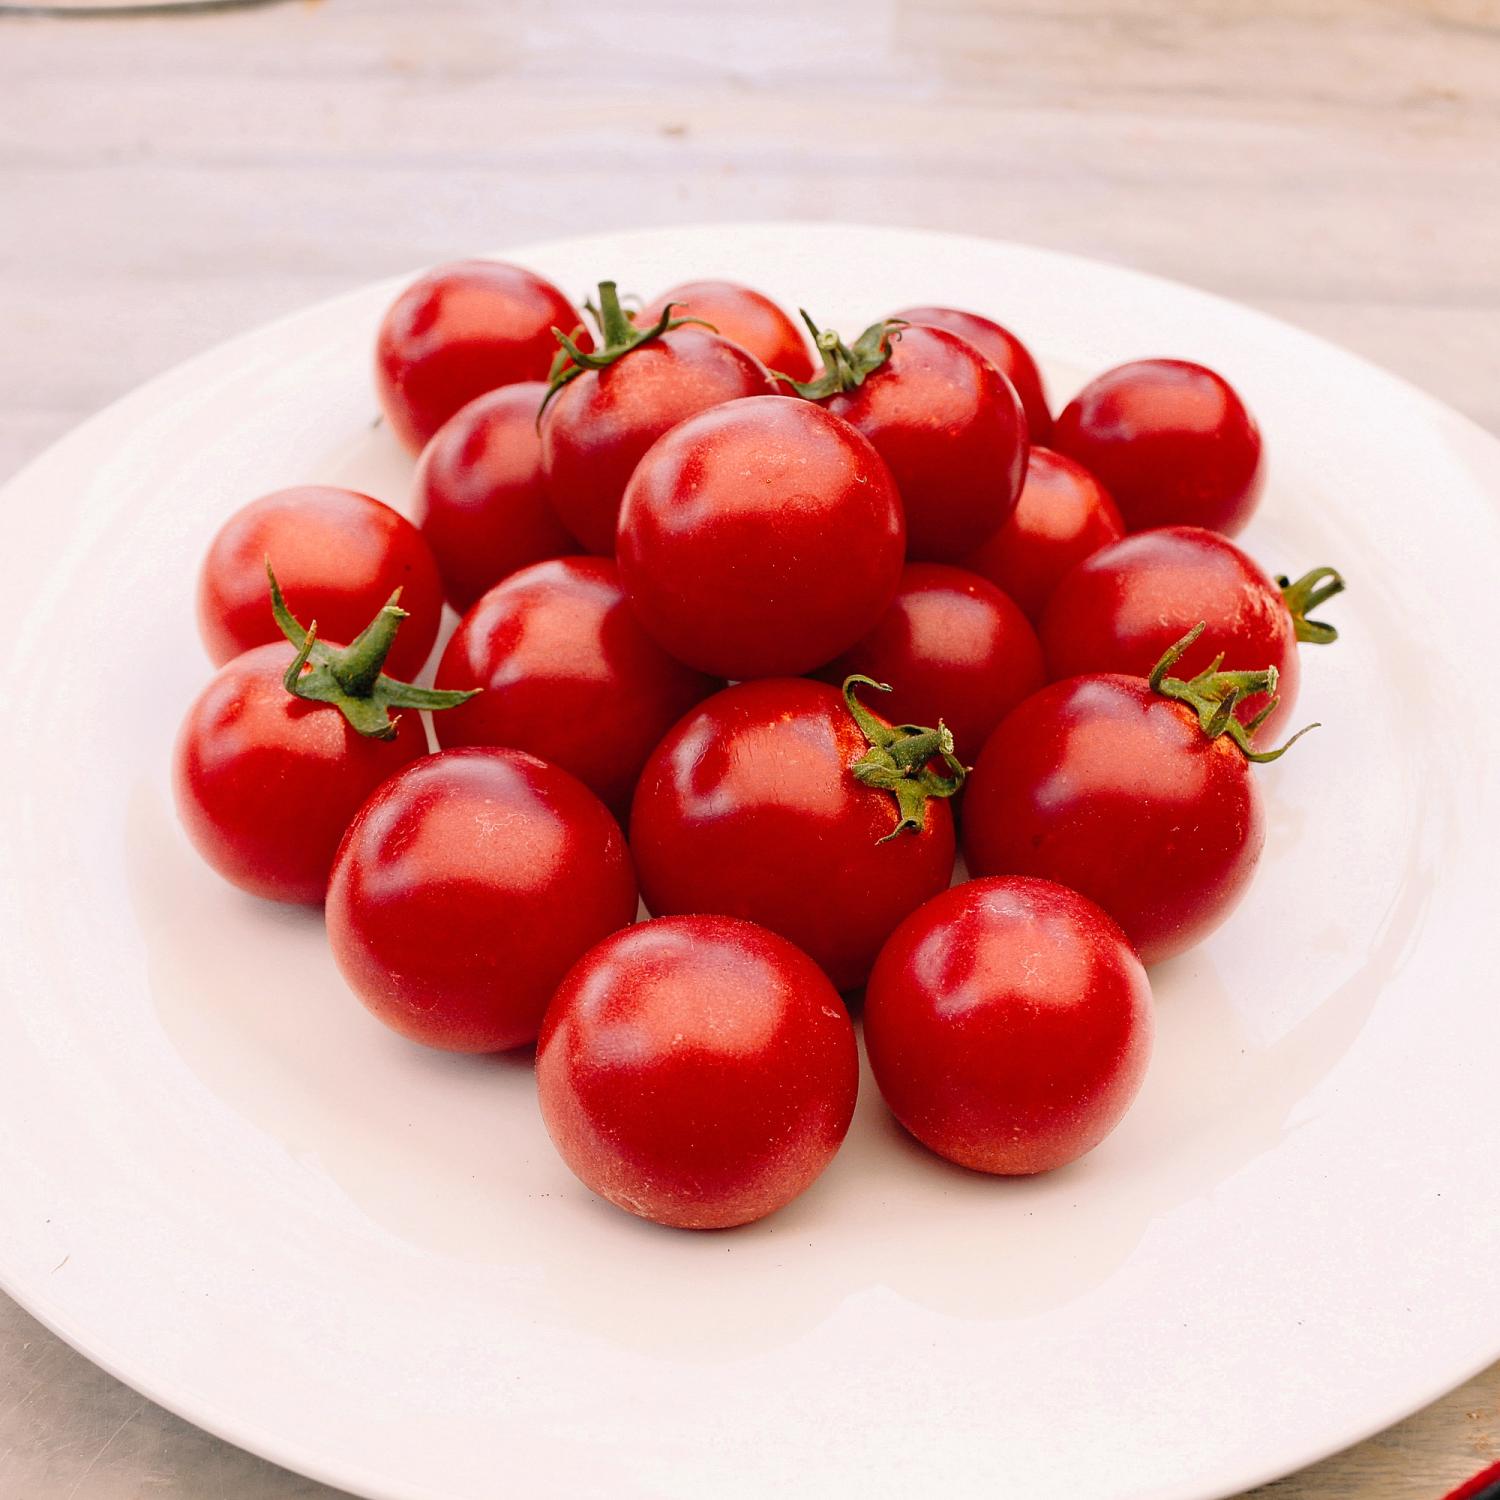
x=608 y=411
x=1009 y=1025
x=697 y=1071
x=744 y=317
x=1124 y=605
x=338 y=555
x=789 y=805
x=1172 y=443
x=459 y=331
x=1063 y=515
x=466 y=888
x=1003 y=350
x=948 y=424
x=479 y=496
x=567 y=674
x=952 y=647
x=760 y=538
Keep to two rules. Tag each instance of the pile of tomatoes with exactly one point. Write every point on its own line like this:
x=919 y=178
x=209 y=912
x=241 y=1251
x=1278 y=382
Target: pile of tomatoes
x=760 y=633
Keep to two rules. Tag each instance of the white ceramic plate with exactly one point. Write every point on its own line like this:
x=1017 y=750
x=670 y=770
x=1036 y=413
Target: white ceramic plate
x=228 y=1185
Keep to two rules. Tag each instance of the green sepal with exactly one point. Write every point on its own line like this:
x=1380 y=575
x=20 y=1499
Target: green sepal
x=846 y=367
x=1305 y=595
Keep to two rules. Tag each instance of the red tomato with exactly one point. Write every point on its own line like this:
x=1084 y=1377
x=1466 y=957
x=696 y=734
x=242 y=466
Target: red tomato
x=466 y=888
x=267 y=783
x=479 y=496
x=1171 y=441
x=952 y=647
x=1003 y=350
x=1063 y=515
x=459 y=331
x=945 y=420
x=744 y=317
x=697 y=1071
x=760 y=538
x=338 y=555
x=1009 y=1025
x=567 y=674
x=1122 y=607
x=752 y=807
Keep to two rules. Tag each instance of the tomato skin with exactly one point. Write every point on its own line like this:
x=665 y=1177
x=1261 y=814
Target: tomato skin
x=338 y=555
x=1003 y=350
x=465 y=889
x=1121 y=608
x=952 y=647
x=568 y=675
x=697 y=1071
x=1063 y=516
x=459 y=331
x=1009 y=1024
x=1103 y=785
x=479 y=497
x=748 y=809
x=744 y=317
x=950 y=427
x=760 y=538
x=600 y=425
x=1172 y=443
x=266 y=783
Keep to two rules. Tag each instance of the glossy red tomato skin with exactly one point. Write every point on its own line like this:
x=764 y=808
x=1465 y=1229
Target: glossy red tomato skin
x=567 y=674
x=748 y=808
x=600 y=425
x=1102 y=785
x=1171 y=441
x=1008 y=1023
x=466 y=888
x=697 y=1071
x=266 y=783
x=1064 y=515
x=459 y=331
x=338 y=555
x=760 y=538
x=744 y=317
x=479 y=497
x=1003 y=350
x=951 y=429
x=952 y=647
x=1123 y=606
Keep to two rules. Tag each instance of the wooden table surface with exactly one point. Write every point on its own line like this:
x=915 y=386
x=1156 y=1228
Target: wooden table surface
x=167 y=182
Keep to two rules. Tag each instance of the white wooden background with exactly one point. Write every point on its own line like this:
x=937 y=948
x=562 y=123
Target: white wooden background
x=167 y=182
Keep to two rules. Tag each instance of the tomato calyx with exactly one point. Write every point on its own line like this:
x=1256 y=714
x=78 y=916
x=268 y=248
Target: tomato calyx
x=899 y=760
x=1214 y=695
x=349 y=678
x=846 y=367
x=1305 y=595
x=618 y=337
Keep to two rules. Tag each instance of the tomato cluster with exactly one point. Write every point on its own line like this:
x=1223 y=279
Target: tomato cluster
x=694 y=556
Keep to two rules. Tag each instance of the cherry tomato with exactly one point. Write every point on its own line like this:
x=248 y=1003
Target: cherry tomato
x=1172 y=443
x=1003 y=350
x=760 y=538
x=338 y=555
x=567 y=674
x=479 y=496
x=603 y=419
x=753 y=807
x=697 y=1071
x=466 y=888
x=744 y=317
x=952 y=647
x=1009 y=1025
x=1063 y=515
x=945 y=420
x=459 y=331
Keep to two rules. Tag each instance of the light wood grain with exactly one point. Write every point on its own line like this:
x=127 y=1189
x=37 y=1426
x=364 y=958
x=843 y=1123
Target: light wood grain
x=165 y=183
